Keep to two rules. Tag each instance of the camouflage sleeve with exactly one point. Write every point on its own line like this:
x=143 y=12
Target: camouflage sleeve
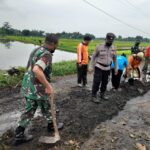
x=44 y=61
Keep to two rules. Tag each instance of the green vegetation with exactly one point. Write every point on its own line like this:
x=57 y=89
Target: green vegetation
x=62 y=68
x=70 y=45
x=68 y=42
x=24 y=39
x=11 y=81
x=59 y=69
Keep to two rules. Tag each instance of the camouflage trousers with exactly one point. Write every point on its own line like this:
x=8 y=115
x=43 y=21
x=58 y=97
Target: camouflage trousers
x=30 y=109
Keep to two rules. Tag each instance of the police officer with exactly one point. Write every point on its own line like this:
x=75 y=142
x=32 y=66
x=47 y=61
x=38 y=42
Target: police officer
x=101 y=63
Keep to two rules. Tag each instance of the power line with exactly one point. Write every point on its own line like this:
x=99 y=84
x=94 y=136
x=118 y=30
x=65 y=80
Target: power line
x=131 y=4
x=115 y=18
x=124 y=3
x=138 y=9
x=128 y=3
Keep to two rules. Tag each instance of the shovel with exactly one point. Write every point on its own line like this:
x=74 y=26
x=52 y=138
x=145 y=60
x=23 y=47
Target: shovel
x=56 y=138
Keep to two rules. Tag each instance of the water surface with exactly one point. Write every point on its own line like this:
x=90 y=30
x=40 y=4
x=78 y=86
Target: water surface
x=13 y=54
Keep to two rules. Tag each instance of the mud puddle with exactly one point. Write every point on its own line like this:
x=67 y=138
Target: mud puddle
x=9 y=120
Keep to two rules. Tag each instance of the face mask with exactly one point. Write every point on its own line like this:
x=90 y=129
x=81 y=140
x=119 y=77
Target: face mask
x=108 y=44
x=52 y=51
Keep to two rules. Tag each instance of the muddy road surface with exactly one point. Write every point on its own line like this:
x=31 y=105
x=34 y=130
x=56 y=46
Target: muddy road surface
x=126 y=131
x=79 y=114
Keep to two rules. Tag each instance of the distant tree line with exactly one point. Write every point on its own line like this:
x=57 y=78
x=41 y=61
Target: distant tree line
x=7 y=29
x=137 y=38
x=74 y=35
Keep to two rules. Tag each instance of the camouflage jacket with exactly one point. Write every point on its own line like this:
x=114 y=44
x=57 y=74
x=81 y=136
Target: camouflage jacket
x=31 y=87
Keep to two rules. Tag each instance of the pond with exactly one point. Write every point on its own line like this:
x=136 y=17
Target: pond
x=13 y=54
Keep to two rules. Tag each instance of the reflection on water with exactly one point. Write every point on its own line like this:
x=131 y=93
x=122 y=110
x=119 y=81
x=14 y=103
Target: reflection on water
x=13 y=54
x=9 y=120
x=7 y=43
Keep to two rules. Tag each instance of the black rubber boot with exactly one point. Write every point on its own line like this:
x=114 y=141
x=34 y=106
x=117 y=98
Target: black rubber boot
x=131 y=81
x=103 y=96
x=20 y=137
x=95 y=99
x=50 y=127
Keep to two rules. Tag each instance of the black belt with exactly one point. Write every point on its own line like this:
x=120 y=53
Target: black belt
x=104 y=65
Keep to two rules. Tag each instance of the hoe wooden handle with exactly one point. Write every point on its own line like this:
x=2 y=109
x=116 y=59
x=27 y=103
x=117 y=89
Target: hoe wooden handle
x=53 y=112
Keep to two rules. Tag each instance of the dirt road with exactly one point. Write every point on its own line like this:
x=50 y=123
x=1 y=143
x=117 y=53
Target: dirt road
x=123 y=132
x=79 y=114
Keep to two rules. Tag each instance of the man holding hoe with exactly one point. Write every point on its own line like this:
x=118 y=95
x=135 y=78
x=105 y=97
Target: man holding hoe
x=36 y=88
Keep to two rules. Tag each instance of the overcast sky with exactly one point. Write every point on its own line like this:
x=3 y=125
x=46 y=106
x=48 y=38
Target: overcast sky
x=76 y=15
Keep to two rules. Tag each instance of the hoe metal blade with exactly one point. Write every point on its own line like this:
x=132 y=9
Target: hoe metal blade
x=56 y=138
x=49 y=140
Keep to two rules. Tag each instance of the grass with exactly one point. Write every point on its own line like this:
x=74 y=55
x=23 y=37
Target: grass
x=32 y=40
x=70 y=45
x=59 y=69
x=64 y=68
x=10 y=81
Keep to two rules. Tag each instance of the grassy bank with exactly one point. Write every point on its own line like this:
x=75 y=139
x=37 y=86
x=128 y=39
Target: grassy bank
x=59 y=69
x=71 y=44
x=62 y=68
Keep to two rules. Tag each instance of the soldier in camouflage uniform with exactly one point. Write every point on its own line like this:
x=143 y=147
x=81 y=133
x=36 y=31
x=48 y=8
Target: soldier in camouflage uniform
x=36 y=87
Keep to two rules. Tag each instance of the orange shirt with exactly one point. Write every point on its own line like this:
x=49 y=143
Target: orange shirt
x=82 y=54
x=133 y=63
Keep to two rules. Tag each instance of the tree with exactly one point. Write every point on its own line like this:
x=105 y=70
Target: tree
x=36 y=33
x=120 y=38
x=26 y=32
x=6 y=28
x=139 y=38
